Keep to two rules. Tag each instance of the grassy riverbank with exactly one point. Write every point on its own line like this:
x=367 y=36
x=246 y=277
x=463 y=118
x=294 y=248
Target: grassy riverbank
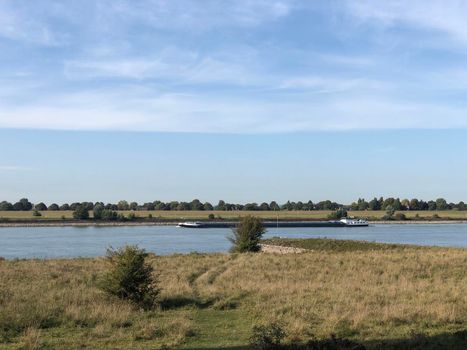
x=384 y=296
x=157 y=215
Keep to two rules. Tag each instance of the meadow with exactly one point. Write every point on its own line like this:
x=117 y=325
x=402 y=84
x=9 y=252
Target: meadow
x=231 y=215
x=381 y=296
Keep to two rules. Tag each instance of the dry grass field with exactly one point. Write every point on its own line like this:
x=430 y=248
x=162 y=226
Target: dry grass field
x=384 y=296
x=271 y=215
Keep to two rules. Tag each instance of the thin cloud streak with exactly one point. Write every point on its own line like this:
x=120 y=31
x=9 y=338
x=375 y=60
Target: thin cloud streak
x=14 y=168
x=252 y=66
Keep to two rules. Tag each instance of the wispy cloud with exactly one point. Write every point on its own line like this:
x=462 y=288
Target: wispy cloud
x=445 y=16
x=5 y=168
x=229 y=66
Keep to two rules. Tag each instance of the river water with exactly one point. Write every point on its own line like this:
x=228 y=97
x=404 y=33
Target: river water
x=54 y=242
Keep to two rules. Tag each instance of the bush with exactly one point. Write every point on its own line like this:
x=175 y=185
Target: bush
x=338 y=214
x=247 y=235
x=267 y=337
x=81 y=212
x=132 y=217
x=211 y=217
x=400 y=217
x=130 y=277
x=97 y=211
x=36 y=213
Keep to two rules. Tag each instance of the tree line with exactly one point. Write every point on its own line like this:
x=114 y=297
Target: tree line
x=361 y=204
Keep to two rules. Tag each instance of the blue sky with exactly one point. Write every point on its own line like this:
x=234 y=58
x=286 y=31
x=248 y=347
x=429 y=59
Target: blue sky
x=241 y=100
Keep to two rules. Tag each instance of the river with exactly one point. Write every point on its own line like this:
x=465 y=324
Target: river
x=68 y=242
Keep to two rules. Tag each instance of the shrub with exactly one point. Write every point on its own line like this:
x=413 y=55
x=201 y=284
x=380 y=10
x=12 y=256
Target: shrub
x=267 y=337
x=110 y=215
x=400 y=217
x=338 y=214
x=81 y=212
x=247 y=235
x=211 y=217
x=36 y=213
x=130 y=277
x=132 y=217
x=97 y=211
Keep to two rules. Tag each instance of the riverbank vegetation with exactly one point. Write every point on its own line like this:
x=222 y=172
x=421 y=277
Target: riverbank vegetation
x=361 y=204
x=389 y=209
x=380 y=296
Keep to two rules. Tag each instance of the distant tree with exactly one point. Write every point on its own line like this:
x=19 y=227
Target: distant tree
x=182 y=206
x=287 y=206
x=397 y=205
x=6 y=206
x=264 y=206
x=274 y=206
x=173 y=205
x=234 y=206
x=53 y=207
x=18 y=206
x=431 y=205
x=327 y=205
x=81 y=212
x=208 y=206
x=149 y=206
x=65 y=206
x=250 y=207
x=362 y=204
x=441 y=204
x=161 y=206
x=196 y=205
x=123 y=205
x=423 y=205
x=74 y=205
x=309 y=206
x=298 y=206
x=406 y=204
x=414 y=204
x=461 y=206
x=247 y=235
x=27 y=205
x=40 y=206
x=133 y=206
x=374 y=204
x=97 y=211
x=220 y=205
x=88 y=205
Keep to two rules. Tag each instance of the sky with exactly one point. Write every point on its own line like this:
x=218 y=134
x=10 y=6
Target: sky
x=252 y=100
